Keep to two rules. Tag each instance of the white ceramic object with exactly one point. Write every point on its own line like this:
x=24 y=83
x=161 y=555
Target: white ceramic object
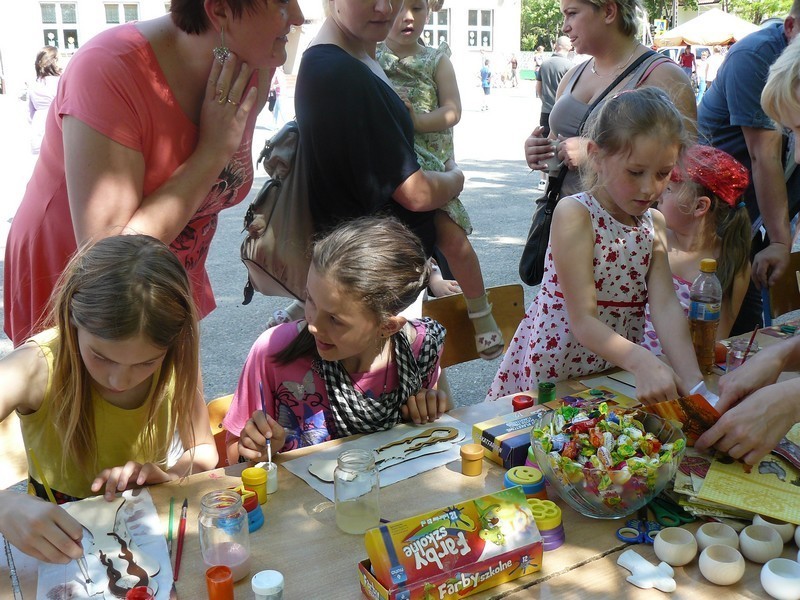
x=675 y=546
x=784 y=529
x=780 y=578
x=797 y=536
x=760 y=543
x=645 y=574
x=712 y=533
x=721 y=564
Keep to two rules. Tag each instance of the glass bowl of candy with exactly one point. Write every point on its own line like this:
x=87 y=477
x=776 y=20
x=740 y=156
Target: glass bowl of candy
x=606 y=462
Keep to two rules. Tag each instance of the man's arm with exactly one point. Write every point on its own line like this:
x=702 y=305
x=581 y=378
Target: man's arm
x=764 y=147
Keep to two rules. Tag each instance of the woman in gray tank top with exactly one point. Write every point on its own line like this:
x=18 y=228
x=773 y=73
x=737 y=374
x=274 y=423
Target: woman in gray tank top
x=605 y=30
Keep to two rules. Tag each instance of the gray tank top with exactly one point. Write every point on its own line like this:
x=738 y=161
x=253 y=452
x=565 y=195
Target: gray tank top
x=568 y=112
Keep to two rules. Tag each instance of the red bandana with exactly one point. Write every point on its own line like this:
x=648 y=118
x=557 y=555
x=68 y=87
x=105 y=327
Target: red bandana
x=715 y=170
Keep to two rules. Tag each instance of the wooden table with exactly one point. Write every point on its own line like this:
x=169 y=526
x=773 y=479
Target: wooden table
x=301 y=540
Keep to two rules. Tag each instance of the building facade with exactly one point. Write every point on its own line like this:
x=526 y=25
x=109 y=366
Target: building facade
x=474 y=29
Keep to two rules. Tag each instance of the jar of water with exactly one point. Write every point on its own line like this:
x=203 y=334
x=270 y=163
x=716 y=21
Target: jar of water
x=224 y=532
x=356 y=490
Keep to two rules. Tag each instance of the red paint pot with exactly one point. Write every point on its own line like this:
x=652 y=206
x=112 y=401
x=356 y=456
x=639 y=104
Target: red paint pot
x=141 y=592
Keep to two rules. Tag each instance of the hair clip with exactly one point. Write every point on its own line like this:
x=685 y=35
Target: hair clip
x=741 y=205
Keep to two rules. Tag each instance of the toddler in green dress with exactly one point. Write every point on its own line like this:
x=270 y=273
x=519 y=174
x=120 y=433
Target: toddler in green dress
x=424 y=77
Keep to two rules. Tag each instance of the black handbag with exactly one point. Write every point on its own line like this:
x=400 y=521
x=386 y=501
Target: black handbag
x=531 y=263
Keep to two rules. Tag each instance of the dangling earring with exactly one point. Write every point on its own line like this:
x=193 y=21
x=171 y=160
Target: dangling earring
x=221 y=52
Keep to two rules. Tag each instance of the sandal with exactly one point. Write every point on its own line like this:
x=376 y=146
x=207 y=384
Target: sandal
x=489 y=344
x=279 y=317
x=293 y=312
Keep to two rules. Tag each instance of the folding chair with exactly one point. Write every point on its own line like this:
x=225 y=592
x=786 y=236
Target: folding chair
x=217 y=409
x=508 y=308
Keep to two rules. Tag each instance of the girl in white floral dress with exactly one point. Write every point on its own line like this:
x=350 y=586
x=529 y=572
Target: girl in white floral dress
x=606 y=259
x=425 y=79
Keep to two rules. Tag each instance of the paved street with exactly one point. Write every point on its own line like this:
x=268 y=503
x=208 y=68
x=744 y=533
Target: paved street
x=498 y=195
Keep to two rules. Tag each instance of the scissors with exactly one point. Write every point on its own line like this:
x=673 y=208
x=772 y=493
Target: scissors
x=639 y=531
x=668 y=513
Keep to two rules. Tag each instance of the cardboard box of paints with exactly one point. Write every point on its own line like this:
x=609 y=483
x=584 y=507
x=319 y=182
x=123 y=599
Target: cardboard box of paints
x=506 y=438
x=452 y=552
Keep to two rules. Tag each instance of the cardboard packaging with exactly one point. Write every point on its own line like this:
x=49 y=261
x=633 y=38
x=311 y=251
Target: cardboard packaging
x=506 y=438
x=452 y=552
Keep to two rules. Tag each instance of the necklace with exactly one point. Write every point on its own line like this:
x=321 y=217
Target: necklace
x=385 y=373
x=616 y=69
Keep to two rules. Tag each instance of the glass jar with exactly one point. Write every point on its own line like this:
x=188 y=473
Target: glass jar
x=224 y=532
x=356 y=488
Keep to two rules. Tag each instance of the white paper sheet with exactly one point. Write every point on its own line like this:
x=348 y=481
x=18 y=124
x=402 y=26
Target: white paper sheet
x=389 y=475
x=141 y=518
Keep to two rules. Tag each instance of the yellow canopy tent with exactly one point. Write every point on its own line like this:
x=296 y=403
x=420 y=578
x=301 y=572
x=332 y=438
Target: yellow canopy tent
x=713 y=27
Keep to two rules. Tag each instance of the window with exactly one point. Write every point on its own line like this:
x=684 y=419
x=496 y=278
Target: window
x=130 y=12
x=437 y=28
x=54 y=16
x=479 y=29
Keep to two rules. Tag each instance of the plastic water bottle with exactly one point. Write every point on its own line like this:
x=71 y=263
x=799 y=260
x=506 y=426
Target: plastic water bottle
x=705 y=297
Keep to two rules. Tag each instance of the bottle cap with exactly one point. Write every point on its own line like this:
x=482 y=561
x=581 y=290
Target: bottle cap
x=267 y=582
x=708 y=265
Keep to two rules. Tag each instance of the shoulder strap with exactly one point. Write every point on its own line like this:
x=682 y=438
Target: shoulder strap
x=555 y=189
x=631 y=68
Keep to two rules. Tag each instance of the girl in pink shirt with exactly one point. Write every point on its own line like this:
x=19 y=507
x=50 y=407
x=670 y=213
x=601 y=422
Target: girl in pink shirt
x=353 y=365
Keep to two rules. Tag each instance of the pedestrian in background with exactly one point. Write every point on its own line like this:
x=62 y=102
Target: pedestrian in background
x=551 y=73
x=486 y=84
x=42 y=92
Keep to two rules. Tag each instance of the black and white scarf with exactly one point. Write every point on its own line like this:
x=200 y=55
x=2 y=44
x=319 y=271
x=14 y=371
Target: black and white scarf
x=353 y=412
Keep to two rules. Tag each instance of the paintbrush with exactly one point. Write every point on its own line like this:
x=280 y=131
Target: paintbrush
x=750 y=344
x=264 y=410
x=82 y=564
x=169 y=533
x=181 y=534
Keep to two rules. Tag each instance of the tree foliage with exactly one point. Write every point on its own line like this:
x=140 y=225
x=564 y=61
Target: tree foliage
x=541 y=19
x=756 y=11
x=541 y=23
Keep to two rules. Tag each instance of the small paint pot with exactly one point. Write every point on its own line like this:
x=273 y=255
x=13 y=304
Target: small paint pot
x=219 y=583
x=552 y=533
x=521 y=401
x=546 y=513
x=780 y=578
x=255 y=480
x=552 y=543
x=140 y=592
x=471 y=460
x=784 y=529
x=675 y=546
x=760 y=543
x=530 y=459
x=721 y=564
x=710 y=534
x=529 y=479
x=272 y=477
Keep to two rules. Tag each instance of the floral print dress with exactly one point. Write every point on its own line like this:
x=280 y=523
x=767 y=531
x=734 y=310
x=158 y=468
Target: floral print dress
x=413 y=78
x=544 y=348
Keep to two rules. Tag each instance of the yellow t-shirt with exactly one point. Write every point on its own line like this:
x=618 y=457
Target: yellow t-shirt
x=119 y=432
